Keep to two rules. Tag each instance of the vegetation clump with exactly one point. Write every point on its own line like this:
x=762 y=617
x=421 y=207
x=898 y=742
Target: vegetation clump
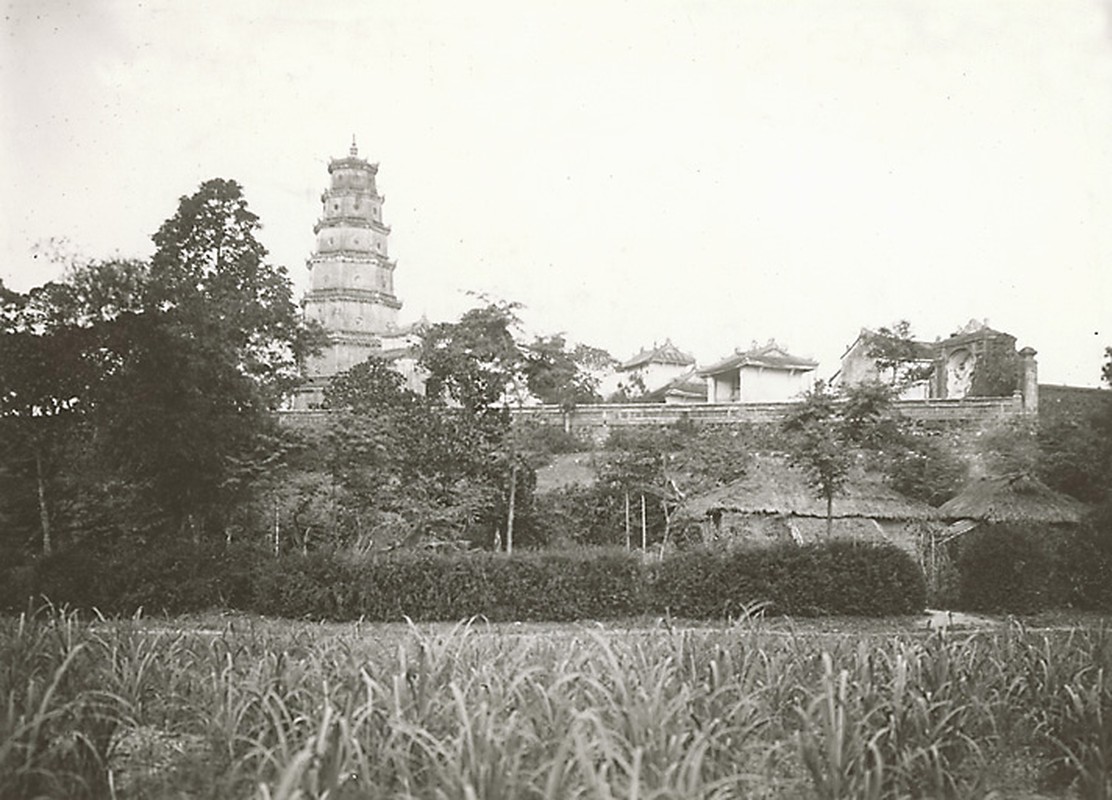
x=588 y=583
x=132 y=709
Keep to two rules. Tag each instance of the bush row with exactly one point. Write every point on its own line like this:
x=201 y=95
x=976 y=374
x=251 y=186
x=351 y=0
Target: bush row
x=831 y=578
x=1025 y=568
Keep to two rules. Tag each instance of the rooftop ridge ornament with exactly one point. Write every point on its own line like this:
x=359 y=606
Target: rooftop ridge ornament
x=354 y=151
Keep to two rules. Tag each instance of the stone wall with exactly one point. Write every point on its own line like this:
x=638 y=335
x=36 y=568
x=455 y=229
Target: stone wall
x=596 y=421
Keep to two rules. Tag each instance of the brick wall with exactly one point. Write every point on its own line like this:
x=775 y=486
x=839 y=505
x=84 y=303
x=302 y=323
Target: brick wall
x=595 y=421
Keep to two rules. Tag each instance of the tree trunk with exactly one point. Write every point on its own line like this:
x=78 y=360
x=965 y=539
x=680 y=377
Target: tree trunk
x=44 y=513
x=629 y=541
x=277 y=532
x=644 y=527
x=510 y=513
x=829 y=516
x=667 y=527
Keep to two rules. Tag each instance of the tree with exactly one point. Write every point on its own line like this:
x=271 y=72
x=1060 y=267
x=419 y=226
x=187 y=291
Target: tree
x=475 y=362
x=564 y=376
x=43 y=402
x=369 y=388
x=898 y=354
x=399 y=457
x=173 y=366
x=209 y=276
x=820 y=444
x=923 y=465
x=216 y=345
x=657 y=469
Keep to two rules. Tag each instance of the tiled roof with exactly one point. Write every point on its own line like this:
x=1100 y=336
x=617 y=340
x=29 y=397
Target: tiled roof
x=771 y=356
x=972 y=331
x=394 y=353
x=666 y=353
x=926 y=351
x=688 y=385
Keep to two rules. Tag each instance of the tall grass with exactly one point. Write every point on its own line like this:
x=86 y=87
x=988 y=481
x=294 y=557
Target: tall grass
x=473 y=711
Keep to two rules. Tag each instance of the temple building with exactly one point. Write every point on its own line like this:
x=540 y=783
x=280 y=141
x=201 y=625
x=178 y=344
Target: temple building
x=351 y=289
x=974 y=361
x=761 y=374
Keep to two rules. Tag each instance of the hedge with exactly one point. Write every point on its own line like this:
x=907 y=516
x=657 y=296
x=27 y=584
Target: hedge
x=1023 y=568
x=832 y=578
x=829 y=578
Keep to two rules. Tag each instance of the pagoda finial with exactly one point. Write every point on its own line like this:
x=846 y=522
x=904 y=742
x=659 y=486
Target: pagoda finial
x=354 y=151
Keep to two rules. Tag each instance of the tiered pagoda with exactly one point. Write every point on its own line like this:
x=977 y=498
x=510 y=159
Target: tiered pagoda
x=351 y=277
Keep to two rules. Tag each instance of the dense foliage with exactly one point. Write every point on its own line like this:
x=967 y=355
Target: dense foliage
x=820 y=579
x=256 y=709
x=136 y=395
x=1020 y=568
x=641 y=479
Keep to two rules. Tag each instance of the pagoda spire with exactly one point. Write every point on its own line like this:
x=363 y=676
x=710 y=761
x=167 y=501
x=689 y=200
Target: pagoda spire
x=351 y=285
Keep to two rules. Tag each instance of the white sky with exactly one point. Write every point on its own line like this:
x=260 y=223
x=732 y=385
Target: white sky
x=715 y=172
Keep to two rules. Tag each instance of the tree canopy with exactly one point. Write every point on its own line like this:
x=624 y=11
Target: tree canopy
x=155 y=376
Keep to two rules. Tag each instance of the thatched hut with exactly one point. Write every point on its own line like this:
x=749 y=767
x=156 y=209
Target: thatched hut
x=773 y=502
x=1018 y=501
x=1012 y=498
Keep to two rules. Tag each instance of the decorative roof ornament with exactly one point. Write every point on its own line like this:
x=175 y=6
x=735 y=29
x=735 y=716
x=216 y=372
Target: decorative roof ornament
x=354 y=151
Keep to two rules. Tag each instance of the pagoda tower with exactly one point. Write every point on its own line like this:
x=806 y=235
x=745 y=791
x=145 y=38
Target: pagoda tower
x=351 y=288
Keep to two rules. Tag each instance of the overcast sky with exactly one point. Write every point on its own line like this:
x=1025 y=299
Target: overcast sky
x=714 y=172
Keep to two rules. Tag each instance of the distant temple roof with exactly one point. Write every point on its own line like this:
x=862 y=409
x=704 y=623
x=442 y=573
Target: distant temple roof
x=770 y=356
x=666 y=353
x=925 y=351
x=972 y=330
x=688 y=386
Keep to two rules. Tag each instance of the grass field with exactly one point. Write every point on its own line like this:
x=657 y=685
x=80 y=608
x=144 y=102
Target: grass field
x=222 y=707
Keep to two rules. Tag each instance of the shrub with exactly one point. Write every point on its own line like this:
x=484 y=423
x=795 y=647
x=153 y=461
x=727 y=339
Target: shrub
x=422 y=586
x=1027 y=568
x=828 y=578
x=823 y=578
x=172 y=578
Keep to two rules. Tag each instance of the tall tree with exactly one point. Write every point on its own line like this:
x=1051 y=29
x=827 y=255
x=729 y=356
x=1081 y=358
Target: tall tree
x=210 y=277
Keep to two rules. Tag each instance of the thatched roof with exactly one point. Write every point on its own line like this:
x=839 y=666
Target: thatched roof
x=1013 y=498
x=773 y=486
